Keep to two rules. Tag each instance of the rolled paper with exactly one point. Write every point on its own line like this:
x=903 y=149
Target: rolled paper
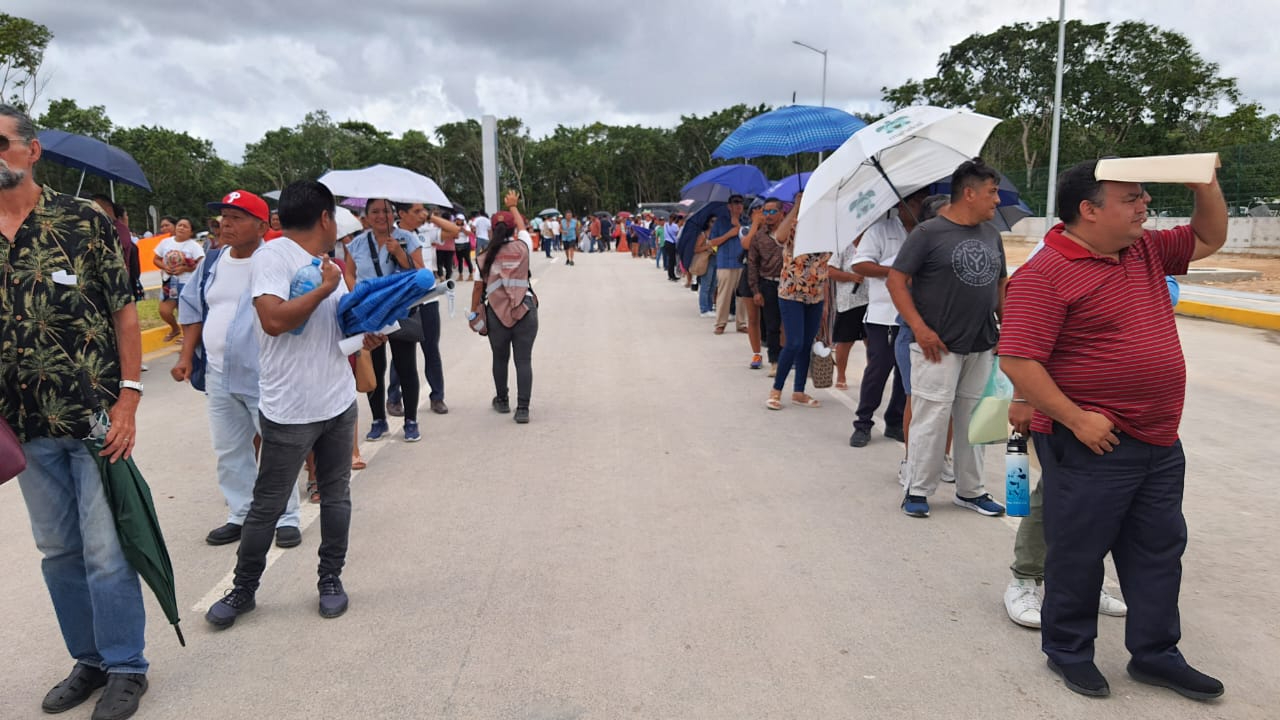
x=1191 y=168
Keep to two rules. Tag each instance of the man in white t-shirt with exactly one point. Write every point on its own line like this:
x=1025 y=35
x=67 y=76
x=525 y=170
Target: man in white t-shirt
x=307 y=398
x=220 y=336
x=876 y=252
x=481 y=225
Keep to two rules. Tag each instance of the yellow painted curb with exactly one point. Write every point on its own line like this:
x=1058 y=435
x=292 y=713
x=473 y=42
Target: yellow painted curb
x=153 y=341
x=1235 y=316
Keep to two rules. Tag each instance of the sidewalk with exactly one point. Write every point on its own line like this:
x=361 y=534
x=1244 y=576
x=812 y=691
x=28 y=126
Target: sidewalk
x=1230 y=306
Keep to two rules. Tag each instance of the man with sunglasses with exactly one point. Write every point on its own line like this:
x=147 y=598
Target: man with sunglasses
x=67 y=318
x=764 y=270
x=726 y=237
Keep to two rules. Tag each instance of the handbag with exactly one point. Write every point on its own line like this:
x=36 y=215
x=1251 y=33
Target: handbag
x=822 y=368
x=410 y=326
x=12 y=460
x=989 y=421
x=366 y=381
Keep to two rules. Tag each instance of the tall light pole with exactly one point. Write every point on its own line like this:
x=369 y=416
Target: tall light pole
x=823 y=53
x=1057 y=116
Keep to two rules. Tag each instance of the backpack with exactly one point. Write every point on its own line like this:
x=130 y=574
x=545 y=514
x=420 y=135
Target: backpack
x=199 y=363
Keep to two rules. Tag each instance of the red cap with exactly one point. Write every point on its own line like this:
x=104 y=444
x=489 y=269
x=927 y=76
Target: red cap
x=503 y=216
x=243 y=200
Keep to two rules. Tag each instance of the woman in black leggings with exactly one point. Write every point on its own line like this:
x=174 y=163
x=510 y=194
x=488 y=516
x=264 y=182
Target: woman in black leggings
x=463 y=246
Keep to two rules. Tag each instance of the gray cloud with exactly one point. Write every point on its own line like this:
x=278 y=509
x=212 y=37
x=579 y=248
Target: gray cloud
x=233 y=70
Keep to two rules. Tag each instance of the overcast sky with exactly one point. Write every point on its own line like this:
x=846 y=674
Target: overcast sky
x=231 y=70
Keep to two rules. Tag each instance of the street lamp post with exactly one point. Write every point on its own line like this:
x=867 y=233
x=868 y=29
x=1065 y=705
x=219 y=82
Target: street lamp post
x=823 y=53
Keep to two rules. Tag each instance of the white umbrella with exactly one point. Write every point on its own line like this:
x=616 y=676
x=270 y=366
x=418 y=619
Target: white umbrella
x=386 y=181
x=880 y=164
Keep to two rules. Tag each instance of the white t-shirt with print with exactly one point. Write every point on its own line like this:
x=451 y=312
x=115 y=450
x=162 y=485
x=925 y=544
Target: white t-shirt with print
x=880 y=244
x=190 y=249
x=431 y=237
x=222 y=296
x=303 y=378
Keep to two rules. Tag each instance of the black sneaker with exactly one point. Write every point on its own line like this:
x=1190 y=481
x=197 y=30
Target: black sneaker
x=395 y=408
x=895 y=433
x=235 y=603
x=333 y=599
x=224 y=535
x=121 y=697
x=288 y=536
x=438 y=407
x=1082 y=677
x=74 y=689
x=1184 y=680
x=502 y=405
x=859 y=438
x=522 y=415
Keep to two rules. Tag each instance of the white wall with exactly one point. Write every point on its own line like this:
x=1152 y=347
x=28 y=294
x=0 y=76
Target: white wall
x=1245 y=235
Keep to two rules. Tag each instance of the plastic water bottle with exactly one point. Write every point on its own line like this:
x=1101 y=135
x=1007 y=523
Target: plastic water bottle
x=307 y=279
x=1017 y=481
x=477 y=322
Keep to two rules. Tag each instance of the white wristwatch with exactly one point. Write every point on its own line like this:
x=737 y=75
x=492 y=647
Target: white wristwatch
x=131 y=385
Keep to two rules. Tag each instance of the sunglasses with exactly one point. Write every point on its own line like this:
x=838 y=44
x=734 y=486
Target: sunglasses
x=770 y=212
x=4 y=143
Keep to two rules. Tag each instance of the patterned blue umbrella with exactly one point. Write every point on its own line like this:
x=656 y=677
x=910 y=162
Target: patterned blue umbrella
x=790 y=130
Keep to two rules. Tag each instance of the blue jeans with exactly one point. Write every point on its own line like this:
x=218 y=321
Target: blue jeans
x=233 y=421
x=96 y=594
x=800 y=322
x=707 y=288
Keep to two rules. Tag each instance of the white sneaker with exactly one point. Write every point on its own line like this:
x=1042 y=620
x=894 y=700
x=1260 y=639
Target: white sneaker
x=707 y=314
x=1022 y=603
x=949 y=473
x=1111 y=605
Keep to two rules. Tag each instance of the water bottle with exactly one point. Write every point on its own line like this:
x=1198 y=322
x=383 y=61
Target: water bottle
x=1017 y=482
x=477 y=322
x=307 y=279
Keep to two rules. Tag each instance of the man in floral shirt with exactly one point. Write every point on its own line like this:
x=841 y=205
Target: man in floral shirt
x=70 y=350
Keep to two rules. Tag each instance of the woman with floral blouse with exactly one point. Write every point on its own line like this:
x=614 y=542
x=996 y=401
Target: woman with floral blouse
x=801 y=293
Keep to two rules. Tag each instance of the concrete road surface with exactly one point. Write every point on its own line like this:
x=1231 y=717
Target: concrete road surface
x=655 y=544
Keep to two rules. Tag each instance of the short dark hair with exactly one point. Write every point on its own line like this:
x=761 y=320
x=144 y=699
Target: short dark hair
x=105 y=201
x=736 y=197
x=1075 y=185
x=172 y=220
x=303 y=203
x=26 y=128
x=970 y=174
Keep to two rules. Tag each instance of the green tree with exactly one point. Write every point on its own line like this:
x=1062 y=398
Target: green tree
x=22 y=46
x=65 y=114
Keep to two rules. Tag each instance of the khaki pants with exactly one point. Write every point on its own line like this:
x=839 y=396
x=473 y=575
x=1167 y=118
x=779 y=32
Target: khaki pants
x=941 y=393
x=726 y=285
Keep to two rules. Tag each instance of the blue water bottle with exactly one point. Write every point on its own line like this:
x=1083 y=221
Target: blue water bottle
x=306 y=280
x=1017 y=481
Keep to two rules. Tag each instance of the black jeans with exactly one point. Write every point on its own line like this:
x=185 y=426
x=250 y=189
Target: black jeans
x=404 y=356
x=770 y=319
x=433 y=365
x=284 y=449
x=880 y=363
x=1129 y=503
x=506 y=341
x=464 y=258
x=669 y=260
x=445 y=260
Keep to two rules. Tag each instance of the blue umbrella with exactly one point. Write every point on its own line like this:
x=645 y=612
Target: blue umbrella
x=694 y=225
x=790 y=130
x=786 y=188
x=377 y=302
x=1011 y=210
x=93 y=156
x=743 y=179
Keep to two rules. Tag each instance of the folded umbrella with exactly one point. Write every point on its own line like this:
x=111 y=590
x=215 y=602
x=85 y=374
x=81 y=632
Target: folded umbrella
x=375 y=303
x=396 y=184
x=742 y=179
x=92 y=156
x=790 y=130
x=138 y=528
x=881 y=164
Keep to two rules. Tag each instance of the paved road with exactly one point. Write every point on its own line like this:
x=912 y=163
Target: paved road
x=657 y=545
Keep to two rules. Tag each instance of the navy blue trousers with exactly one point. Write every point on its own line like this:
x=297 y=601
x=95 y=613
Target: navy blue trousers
x=1127 y=502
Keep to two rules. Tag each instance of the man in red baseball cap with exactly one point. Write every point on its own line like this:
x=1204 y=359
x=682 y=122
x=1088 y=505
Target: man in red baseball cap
x=220 y=357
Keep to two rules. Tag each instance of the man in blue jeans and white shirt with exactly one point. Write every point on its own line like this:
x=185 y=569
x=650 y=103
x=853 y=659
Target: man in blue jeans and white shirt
x=216 y=313
x=307 y=399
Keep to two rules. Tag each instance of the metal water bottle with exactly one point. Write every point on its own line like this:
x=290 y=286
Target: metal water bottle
x=1017 y=480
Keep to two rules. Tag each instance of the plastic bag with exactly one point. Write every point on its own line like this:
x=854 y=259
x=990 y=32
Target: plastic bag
x=989 y=423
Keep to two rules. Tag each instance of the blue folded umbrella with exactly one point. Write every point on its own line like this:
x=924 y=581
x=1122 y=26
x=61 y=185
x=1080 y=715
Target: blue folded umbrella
x=742 y=179
x=376 y=303
x=790 y=130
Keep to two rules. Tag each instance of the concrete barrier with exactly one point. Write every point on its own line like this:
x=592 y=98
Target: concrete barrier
x=1245 y=235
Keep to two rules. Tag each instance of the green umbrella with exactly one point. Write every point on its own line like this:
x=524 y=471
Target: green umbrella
x=139 y=529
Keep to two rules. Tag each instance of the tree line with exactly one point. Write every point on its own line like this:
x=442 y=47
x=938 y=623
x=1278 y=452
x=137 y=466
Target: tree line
x=1130 y=88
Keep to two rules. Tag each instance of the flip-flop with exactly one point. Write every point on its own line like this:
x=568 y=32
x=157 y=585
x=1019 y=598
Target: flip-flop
x=807 y=402
x=171 y=336
x=842 y=386
x=773 y=403
x=358 y=464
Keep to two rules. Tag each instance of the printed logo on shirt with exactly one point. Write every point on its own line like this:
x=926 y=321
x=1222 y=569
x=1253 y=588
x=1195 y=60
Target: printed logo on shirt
x=975 y=263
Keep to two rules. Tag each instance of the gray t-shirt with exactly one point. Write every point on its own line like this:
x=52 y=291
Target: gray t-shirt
x=955 y=281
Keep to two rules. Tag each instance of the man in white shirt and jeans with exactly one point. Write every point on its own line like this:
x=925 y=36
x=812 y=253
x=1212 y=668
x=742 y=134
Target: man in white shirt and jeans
x=308 y=399
x=876 y=252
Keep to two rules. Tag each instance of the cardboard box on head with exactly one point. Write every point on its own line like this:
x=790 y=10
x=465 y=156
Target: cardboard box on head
x=1190 y=168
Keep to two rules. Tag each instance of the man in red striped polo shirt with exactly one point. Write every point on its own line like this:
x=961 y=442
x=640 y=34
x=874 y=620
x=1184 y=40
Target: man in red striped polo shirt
x=1089 y=339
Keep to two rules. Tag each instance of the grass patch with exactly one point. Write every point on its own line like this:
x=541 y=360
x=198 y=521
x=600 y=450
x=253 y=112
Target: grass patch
x=149 y=314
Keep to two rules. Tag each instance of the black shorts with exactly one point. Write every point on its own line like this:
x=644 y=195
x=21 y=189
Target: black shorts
x=571 y=244
x=849 y=326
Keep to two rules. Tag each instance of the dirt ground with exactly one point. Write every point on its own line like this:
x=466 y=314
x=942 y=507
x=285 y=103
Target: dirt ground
x=1017 y=251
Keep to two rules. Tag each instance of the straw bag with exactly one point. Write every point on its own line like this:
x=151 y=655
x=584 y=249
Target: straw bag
x=822 y=369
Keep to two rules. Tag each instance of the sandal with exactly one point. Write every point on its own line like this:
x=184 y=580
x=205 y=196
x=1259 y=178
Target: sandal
x=172 y=335
x=775 y=400
x=358 y=463
x=842 y=386
x=806 y=401
x=314 y=492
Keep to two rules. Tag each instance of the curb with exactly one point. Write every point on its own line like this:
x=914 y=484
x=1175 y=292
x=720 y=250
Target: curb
x=1232 y=315
x=153 y=341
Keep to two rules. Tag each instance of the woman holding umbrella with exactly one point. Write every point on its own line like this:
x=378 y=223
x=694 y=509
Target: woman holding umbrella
x=801 y=294
x=385 y=250
x=504 y=307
